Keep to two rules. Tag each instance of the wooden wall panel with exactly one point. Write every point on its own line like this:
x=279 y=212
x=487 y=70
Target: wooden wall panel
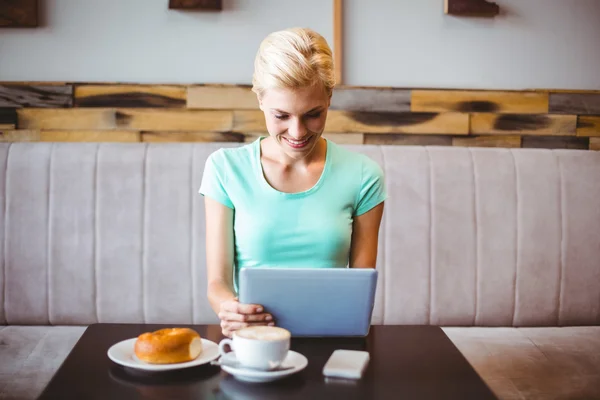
x=66 y=119
x=379 y=122
x=222 y=98
x=408 y=140
x=59 y=111
x=90 y=136
x=8 y=118
x=523 y=124
x=487 y=141
x=130 y=96
x=595 y=143
x=149 y=119
x=22 y=135
x=192 y=137
x=479 y=101
x=575 y=103
x=49 y=96
x=555 y=142
x=250 y=137
x=588 y=125
x=249 y=121
x=345 y=138
x=370 y=99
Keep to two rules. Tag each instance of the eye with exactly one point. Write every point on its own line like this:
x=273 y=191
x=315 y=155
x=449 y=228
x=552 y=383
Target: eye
x=314 y=115
x=281 y=116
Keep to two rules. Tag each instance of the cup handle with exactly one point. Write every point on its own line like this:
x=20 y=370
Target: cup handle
x=224 y=343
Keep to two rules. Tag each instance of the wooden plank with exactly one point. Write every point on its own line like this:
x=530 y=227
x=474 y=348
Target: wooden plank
x=408 y=140
x=157 y=119
x=130 y=96
x=8 y=118
x=249 y=121
x=345 y=138
x=588 y=125
x=487 y=141
x=569 y=90
x=90 y=136
x=523 y=124
x=595 y=143
x=370 y=99
x=22 y=135
x=499 y=102
x=471 y=7
x=555 y=142
x=35 y=83
x=250 y=137
x=66 y=119
x=575 y=103
x=338 y=40
x=39 y=96
x=379 y=122
x=18 y=13
x=203 y=5
x=222 y=98
x=192 y=137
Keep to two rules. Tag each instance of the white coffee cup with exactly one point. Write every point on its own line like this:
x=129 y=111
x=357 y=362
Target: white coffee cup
x=259 y=347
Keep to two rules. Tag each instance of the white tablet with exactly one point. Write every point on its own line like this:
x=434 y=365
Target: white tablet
x=313 y=302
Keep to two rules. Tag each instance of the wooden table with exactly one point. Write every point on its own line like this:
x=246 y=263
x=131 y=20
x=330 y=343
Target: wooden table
x=407 y=362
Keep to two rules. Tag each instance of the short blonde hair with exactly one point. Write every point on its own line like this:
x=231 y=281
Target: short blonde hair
x=293 y=58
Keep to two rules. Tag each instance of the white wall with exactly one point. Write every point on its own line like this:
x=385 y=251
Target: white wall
x=536 y=44
x=400 y=43
x=144 y=41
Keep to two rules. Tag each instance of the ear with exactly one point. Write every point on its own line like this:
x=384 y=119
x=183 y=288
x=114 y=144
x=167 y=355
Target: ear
x=260 y=103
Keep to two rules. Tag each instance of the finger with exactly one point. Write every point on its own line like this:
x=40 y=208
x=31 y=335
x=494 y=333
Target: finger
x=229 y=316
x=235 y=325
x=249 y=308
x=238 y=308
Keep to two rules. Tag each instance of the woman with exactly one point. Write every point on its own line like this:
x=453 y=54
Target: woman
x=292 y=199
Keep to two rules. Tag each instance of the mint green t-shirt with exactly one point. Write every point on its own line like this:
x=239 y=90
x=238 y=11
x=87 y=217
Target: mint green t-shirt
x=305 y=229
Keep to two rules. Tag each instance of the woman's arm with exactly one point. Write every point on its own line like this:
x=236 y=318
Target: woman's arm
x=219 y=259
x=219 y=252
x=365 y=237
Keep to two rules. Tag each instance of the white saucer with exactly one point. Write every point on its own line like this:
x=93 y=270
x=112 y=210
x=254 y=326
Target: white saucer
x=293 y=359
x=122 y=353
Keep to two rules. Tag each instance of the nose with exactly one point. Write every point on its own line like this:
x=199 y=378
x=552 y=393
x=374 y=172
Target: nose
x=297 y=129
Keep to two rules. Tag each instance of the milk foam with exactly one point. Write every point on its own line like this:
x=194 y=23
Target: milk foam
x=264 y=333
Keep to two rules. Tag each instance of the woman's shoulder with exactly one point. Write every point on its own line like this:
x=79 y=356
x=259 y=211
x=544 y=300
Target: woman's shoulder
x=355 y=160
x=233 y=156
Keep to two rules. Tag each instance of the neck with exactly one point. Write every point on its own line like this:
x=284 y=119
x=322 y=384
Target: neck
x=272 y=150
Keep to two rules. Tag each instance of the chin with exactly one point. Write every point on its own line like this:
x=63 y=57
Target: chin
x=299 y=151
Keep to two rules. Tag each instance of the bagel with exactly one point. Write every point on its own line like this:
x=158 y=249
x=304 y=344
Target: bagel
x=168 y=346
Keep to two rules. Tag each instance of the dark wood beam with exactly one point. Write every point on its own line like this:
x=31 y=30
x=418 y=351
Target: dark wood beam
x=207 y=5
x=471 y=8
x=18 y=13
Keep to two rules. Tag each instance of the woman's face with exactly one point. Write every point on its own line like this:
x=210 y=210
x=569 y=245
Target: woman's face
x=295 y=118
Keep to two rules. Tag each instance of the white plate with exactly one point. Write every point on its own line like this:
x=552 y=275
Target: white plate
x=293 y=359
x=122 y=353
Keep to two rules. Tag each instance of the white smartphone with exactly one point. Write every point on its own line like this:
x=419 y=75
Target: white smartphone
x=349 y=364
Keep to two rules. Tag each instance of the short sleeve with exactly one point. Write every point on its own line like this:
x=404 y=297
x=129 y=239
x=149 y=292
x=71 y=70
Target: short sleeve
x=372 y=188
x=214 y=179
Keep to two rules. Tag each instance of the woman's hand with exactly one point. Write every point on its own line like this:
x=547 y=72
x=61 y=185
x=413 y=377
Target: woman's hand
x=235 y=316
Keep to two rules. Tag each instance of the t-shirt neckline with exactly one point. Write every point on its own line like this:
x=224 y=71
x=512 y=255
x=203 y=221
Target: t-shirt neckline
x=263 y=180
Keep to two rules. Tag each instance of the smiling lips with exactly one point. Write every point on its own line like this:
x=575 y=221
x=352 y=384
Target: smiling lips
x=296 y=144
